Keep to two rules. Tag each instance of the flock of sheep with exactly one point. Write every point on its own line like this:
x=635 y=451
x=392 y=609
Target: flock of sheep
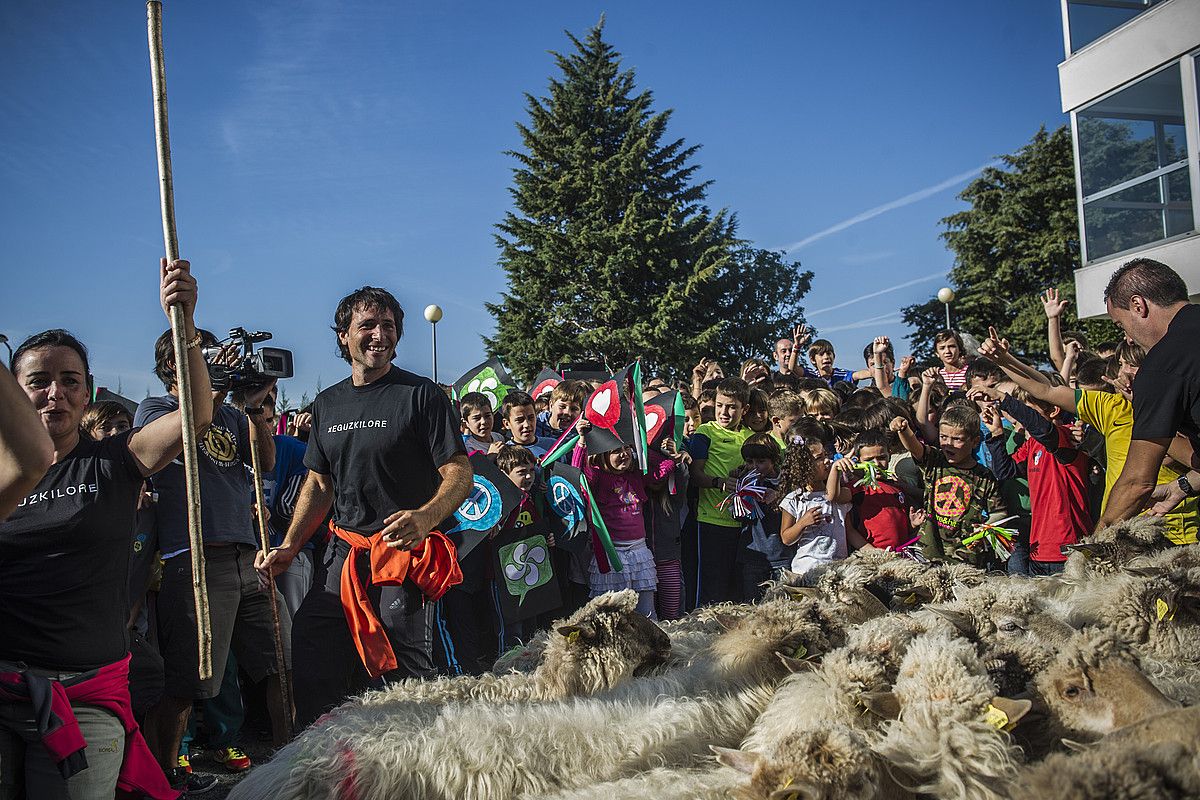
x=875 y=677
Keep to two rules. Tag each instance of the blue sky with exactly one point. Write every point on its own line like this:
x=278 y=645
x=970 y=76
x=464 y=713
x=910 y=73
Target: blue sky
x=320 y=145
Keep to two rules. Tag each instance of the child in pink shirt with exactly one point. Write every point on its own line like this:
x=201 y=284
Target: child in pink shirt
x=619 y=489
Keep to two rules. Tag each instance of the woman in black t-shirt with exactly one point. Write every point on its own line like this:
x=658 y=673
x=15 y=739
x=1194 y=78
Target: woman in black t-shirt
x=64 y=554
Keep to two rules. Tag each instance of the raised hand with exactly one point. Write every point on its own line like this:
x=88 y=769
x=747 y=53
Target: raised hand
x=898 y=424
x=994 y=347
x=1052 y=303
x=801 y=336
x=881 y=344
x=990 y=416
x=906 y=364
x=930 y=376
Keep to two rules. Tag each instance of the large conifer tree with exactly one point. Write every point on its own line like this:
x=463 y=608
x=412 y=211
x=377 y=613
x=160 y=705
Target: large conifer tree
x=610 y=251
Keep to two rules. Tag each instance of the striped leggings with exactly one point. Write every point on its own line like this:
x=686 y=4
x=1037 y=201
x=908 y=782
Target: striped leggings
x=670 y=589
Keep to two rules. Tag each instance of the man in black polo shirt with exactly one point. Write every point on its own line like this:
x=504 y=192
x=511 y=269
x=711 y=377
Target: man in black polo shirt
x=386 y=455
x=1149 y=302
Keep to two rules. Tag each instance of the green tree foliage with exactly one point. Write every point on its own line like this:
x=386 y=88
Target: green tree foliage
x=766 y=290
x=610 y=251
x=1019 y=236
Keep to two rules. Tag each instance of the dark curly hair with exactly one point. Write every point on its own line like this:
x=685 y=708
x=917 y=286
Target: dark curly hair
x=799 y=466
x=368 y=298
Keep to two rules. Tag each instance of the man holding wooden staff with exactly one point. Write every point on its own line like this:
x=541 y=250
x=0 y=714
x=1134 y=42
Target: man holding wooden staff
x=386 y=455
x=240 y=611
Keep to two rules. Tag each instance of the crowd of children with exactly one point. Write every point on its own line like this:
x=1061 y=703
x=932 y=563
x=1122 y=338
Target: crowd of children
x=979 y=458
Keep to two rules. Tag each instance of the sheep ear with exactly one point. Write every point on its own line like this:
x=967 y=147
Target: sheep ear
x=1086 y=549
x=882 y=704
x=1078 y=747
x=789 y=578
x=573 y=633
x=1013 y=709
x=917 y=595
x=958 y=619
x=741 y=760
x=1144 y=572
x=873 y=605
x=800 y=592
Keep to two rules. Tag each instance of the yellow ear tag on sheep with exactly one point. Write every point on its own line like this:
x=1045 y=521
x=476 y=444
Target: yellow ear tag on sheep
x=1163 y=610
x=997 y=718
x=800 y=652
x=573 y=637
x=911 y=599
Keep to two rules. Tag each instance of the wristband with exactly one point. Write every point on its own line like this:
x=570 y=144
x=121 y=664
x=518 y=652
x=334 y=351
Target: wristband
x=194 y=342
x=1186 y=486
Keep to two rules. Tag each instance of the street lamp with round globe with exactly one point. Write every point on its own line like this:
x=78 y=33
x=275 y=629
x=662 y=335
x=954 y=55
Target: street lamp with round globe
x=433 y=315
x=946 y=296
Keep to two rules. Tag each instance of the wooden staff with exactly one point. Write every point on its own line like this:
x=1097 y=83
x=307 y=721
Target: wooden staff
x=191 y=467
x=264 y=543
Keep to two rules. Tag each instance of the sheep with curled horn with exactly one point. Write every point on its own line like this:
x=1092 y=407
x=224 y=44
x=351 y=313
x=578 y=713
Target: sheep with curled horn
x=498 y=751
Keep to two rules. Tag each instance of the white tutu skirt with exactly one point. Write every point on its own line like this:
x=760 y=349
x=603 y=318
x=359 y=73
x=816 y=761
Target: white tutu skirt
x=638 y=573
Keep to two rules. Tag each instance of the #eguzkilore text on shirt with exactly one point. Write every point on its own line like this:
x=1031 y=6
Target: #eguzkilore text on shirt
x=383 y=444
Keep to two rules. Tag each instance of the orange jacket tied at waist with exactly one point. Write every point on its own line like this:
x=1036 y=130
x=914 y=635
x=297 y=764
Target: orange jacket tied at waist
x=432 y=565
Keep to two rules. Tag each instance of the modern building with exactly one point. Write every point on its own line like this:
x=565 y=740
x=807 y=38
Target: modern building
x=1129 y=83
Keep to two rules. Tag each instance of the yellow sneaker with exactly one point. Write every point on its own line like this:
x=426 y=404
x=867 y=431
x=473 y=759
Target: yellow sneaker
x=234 y=759
x=184 y=764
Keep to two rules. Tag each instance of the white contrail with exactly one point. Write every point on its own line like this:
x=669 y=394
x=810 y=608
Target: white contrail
x=906 y=200
x=860 y=298
x=883 y=319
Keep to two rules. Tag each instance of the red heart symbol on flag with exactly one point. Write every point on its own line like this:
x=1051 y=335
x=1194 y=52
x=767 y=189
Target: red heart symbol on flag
x=604 y=408
x=544 y=387
x=656 y=417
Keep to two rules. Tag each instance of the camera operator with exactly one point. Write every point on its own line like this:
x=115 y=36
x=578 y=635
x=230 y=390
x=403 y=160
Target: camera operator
x=240 y=612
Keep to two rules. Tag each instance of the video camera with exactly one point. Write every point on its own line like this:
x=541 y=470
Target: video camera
x=249 y=369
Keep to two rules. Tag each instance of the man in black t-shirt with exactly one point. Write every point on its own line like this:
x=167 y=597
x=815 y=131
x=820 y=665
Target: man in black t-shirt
x=1149 y=302
x=386 y=455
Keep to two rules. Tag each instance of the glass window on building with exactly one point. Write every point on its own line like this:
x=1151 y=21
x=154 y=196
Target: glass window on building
x=1133 y=166
x=1088 y=20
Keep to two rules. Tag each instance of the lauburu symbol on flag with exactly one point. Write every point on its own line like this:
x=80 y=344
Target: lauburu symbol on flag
x=525 y=565
x=487 y=383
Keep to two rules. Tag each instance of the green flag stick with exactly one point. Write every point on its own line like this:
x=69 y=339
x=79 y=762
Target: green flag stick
x=191 y=468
